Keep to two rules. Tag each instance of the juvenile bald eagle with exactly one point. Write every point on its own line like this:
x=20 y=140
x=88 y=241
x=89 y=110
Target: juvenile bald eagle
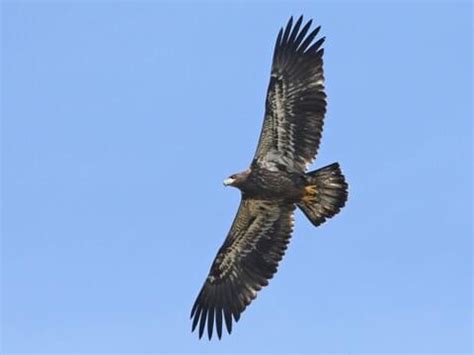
x=275 y=183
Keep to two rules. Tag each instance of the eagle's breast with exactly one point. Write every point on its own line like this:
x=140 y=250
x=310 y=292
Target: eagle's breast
x=274 y=184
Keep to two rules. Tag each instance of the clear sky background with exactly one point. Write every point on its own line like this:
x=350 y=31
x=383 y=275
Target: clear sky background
x=120 y=121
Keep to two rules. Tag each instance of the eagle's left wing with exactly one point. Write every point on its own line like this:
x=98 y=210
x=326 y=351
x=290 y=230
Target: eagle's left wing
x=296 y=102
x=246 y=261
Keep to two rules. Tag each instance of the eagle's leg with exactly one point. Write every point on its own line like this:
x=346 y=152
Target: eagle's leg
x=309 y=194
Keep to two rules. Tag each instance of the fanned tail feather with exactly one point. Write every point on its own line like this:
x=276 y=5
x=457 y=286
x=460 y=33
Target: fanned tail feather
x=325 y=194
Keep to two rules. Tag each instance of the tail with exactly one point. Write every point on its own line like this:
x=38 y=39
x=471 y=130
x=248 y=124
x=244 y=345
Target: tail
x=325 y=194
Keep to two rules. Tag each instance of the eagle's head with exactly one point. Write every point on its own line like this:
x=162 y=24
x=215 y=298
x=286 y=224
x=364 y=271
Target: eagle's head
x=237 y=180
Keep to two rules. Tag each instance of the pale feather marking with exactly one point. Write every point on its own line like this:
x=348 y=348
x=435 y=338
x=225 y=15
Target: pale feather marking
x=266 y=220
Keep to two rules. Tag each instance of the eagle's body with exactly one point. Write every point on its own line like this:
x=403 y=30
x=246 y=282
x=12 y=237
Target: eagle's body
x=275 y=184
x=264 y=184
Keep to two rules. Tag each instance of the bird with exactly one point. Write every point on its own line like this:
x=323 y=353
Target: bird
x=276 y=183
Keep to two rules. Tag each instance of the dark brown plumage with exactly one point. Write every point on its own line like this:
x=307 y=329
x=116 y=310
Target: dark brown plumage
x=275 y=184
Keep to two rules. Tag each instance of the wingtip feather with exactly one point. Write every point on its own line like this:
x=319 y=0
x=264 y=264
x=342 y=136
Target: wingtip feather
x=210 y=322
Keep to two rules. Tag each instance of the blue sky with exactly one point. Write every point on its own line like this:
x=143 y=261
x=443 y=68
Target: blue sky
x=120 y=121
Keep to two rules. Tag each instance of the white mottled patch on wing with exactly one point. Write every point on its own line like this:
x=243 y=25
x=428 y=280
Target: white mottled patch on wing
x=264 y=217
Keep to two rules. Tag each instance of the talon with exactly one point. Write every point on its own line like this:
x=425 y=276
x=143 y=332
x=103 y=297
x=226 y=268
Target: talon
x=310 y=190
x=310 y=194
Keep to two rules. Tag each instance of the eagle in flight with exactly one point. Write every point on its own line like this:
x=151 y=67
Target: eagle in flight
x=275 y=183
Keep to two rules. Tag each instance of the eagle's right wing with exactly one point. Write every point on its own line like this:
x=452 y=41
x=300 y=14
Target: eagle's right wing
x=246 y=261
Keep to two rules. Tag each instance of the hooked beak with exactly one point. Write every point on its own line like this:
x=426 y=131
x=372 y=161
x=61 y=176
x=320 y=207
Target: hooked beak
x=228 y=181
